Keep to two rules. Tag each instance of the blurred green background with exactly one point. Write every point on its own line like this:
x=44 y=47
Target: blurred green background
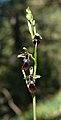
x=15 y=100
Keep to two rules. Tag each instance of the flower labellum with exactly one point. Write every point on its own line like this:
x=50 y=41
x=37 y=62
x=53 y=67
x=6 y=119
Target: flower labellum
x=31 y=84
x=32 y=87
x=26 y=63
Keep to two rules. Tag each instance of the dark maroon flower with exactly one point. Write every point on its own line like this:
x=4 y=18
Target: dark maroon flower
x=32 y=87
x=25 y=66
x=26 y=63
x=36 y=40
x=31 y=84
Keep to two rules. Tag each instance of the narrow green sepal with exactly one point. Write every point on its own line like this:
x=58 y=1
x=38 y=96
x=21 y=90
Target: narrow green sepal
x=36 y=76
x=21 y=55
x=26 y=78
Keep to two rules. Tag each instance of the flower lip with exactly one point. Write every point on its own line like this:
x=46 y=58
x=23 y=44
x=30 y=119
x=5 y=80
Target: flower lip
x=26 y=62
x=25 y=66
x=32 y=88
x=36 y=40
x=31 y=84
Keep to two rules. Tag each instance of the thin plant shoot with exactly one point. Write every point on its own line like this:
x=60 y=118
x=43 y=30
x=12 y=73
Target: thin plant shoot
x=27 y=57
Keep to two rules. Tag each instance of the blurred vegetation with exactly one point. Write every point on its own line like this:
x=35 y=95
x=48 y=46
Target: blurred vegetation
x=13 y=36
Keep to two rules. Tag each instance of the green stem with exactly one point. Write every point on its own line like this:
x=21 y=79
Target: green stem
x=35 y=56
x=34 y=107
x=35 y=68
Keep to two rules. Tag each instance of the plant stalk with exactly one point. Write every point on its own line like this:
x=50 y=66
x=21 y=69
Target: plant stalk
x=35 y=56
x=35 y=68
x=34 y=107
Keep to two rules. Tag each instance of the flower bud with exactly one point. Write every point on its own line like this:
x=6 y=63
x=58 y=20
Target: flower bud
x=36 y=40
